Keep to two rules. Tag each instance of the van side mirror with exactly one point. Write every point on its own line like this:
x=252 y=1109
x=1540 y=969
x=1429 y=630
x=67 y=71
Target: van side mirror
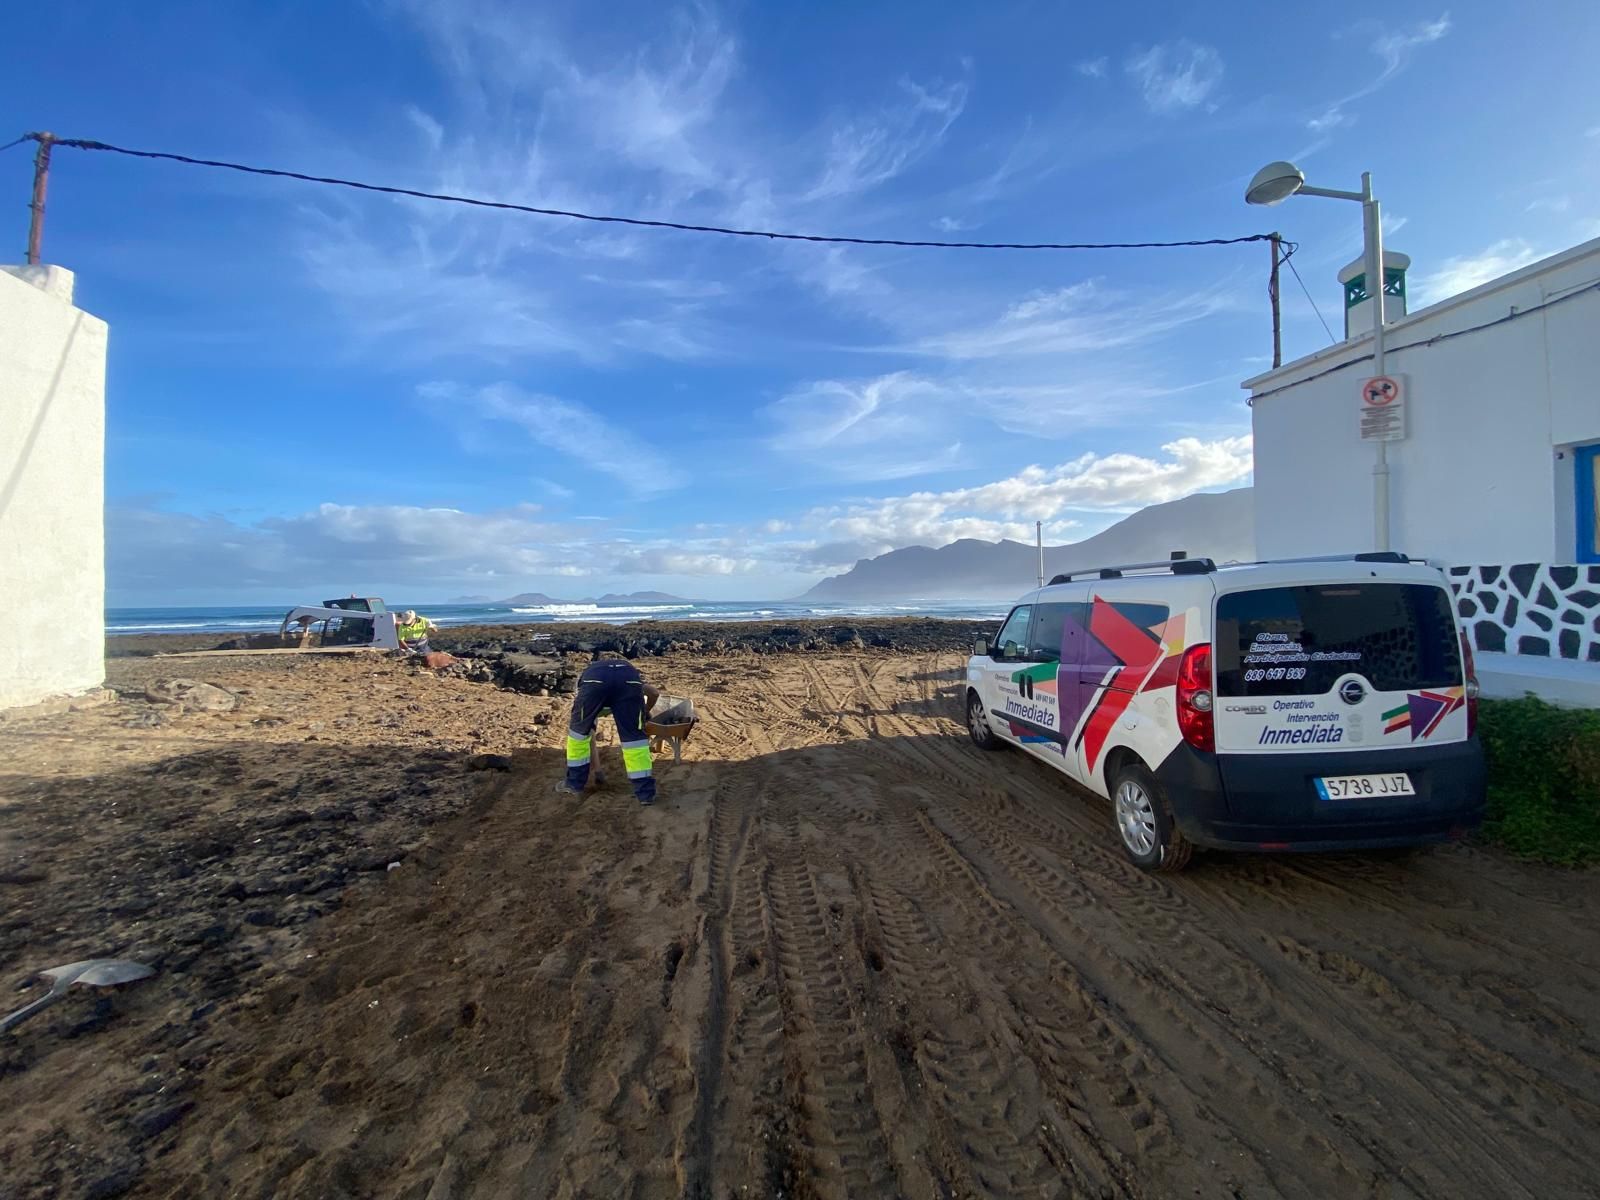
x=980 y=648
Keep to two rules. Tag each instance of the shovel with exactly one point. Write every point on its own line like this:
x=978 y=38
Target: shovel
x=91 y=972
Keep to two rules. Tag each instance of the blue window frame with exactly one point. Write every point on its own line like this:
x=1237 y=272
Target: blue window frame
x=1586 y=466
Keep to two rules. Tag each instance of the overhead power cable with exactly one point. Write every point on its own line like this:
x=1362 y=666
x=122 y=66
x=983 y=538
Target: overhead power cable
x=1287 y=259
x=774 y=235
x=24 y=138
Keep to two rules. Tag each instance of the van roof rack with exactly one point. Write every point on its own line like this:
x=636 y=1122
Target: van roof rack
x=1366 y=556
x=1177 y=566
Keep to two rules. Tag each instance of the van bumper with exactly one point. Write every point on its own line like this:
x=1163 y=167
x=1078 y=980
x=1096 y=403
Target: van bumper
x=1270 y=802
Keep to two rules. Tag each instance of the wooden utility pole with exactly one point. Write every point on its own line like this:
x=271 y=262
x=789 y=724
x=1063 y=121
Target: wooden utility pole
x=1276 y=243
x=41 y=180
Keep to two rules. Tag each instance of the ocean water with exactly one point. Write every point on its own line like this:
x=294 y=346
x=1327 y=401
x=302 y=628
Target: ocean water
x=242 y=620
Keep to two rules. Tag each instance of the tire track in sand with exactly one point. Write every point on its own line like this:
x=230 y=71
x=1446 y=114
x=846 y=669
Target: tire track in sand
x=728 y=828
x=826 y=1067
x=1247 y=1007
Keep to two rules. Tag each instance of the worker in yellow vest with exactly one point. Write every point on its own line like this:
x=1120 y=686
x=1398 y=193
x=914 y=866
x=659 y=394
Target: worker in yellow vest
x=412 y=629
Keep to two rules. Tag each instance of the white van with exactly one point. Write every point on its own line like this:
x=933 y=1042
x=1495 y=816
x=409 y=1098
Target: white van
x=1314 y=704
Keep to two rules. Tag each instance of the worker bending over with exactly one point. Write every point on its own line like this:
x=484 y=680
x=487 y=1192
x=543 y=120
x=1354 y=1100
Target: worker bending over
x=615 y=684
x=412 y=629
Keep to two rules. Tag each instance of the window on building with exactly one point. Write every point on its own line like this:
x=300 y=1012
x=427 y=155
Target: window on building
x=1586 y=464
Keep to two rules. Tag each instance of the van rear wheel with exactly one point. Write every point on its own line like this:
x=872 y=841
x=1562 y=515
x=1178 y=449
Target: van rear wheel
x=1144 y=821
x=983 y=737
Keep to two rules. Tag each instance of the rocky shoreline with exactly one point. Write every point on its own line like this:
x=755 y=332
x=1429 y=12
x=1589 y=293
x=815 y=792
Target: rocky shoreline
x=642 y=639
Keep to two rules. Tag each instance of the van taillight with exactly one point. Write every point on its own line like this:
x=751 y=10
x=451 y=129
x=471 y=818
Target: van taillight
x=1195 y=699
x=1469 y=680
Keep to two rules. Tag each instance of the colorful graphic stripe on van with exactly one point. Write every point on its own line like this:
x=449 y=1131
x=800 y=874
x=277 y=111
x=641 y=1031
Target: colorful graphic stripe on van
x=1137 y=650
x=1423 y=712
x=1031 y=681
x=1166 y=672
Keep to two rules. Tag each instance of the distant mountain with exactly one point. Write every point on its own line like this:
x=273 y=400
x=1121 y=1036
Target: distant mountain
x=642 y=598
x=470 y=600
x=1211 y=525
x=529 y=599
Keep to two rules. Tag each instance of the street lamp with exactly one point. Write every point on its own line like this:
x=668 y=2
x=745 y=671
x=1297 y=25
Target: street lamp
x=1275 y=183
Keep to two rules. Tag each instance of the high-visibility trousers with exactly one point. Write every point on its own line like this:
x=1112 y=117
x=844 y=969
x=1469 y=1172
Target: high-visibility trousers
x=615 y=685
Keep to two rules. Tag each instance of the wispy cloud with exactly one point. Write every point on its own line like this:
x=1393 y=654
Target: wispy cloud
x=1176 y=76
x=1465 y=272
x=1552 y=204
x=1081 y=317
x=1394 y=48
x=1393 y=224
x=1094 y=68
x=888 y=427
x=867 y=152
x=573 y=430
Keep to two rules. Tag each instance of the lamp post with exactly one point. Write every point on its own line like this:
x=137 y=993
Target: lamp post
x=1275 y=183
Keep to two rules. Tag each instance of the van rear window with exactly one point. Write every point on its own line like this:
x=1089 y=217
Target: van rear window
x=1298 y=641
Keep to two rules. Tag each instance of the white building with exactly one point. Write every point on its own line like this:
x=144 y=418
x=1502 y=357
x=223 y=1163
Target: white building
x=1497 y=476
x=52 y=484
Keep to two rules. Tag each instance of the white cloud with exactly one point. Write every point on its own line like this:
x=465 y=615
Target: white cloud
x=1394 y=49
x=1077 y=318
x=1554 y=204
x=1176 y=75
x=1468 y=271
x=573 y=430
x=879 y=428
x=1395 y=46
x=165 y=551
x=1332 y=118
x=868 y=151
x=951 y=225
x=1094 y=68
x=676 y=562
x=1393 y=224
x=423 y=550
x=1008 y=507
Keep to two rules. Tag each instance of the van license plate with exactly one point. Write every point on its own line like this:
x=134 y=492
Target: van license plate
x=1361 y=787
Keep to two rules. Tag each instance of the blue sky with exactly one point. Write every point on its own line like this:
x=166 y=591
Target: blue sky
x=314 y=390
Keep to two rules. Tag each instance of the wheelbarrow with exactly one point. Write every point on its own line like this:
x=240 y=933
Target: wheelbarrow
x=670 y=723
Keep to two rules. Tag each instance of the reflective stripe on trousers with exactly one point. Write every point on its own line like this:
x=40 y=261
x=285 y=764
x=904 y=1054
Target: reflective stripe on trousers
x=636 y=759
x=580 y=748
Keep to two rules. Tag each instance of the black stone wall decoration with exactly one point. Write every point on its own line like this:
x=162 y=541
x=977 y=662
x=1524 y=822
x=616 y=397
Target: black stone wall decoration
x=1535 y=609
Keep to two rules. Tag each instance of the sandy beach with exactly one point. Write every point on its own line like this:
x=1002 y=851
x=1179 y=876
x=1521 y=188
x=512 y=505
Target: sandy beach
x=847 y=956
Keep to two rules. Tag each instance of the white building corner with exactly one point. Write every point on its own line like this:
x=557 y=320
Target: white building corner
x=52 y=488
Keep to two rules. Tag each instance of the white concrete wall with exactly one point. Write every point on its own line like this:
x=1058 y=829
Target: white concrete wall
x=1479 y=479
x=52 y=483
